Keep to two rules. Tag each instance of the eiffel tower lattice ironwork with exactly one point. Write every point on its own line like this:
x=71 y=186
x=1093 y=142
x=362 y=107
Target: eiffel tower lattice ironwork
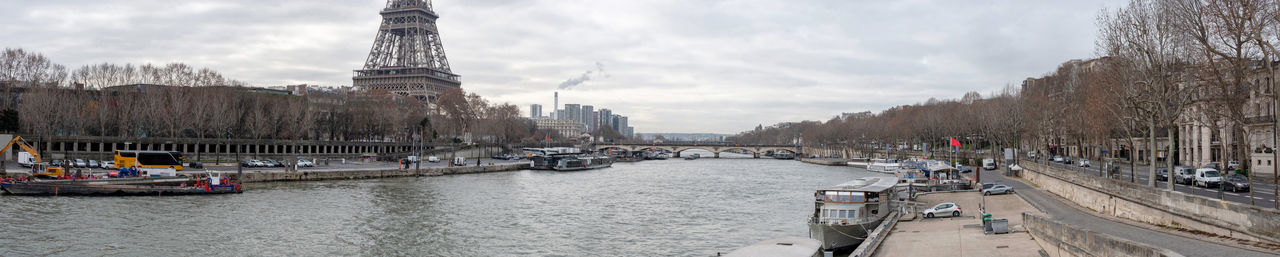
x=407 y=57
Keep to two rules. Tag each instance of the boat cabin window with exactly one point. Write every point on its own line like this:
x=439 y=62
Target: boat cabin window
x=844 y=197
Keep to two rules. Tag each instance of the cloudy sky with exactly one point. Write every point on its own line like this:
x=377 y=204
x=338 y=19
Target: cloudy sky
x=671 y=65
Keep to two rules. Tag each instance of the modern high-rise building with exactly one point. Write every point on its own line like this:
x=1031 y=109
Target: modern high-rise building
x=587 y=118
x=573 y=112
x=596 y=116
x=622 y=123
x=614 y=123
x=606 y=118
x=558 y=115
x=630 y=132
x=535 y=111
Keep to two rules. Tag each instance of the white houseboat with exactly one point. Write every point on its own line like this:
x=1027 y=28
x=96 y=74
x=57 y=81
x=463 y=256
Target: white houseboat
x=845 y=213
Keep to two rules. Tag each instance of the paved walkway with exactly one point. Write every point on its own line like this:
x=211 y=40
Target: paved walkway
x=1062 y=212
x=962 y=236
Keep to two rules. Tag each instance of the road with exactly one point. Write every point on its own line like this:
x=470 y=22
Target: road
x=1063 y=212
x=1263 y=189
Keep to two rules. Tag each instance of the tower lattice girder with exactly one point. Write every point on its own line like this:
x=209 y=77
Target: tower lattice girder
x=407 y=56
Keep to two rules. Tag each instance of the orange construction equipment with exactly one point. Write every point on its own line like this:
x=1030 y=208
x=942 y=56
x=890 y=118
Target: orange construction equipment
x=38 y=168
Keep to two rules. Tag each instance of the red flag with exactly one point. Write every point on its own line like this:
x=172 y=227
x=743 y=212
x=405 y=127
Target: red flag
x=955 y=142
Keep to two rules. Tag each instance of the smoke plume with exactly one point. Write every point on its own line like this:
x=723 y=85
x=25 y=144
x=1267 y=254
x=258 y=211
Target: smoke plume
x=571 y=82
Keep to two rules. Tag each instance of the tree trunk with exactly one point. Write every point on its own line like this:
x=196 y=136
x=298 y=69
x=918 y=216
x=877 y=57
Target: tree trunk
x=1168 y=159
x=1151 y=151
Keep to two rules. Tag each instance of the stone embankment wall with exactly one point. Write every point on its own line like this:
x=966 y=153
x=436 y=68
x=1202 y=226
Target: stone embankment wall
x=1156 y=206
x=382 y=173
x=1062 y=240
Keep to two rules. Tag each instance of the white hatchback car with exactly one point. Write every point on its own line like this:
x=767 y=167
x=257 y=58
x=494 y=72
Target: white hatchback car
x=943 y=209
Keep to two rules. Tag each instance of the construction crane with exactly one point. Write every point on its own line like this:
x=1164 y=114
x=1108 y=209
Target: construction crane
x=38 y=168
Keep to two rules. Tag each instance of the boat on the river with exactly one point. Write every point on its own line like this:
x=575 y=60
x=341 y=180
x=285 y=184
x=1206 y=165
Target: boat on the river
x=693 y=157
x=211 y=183
x=582 y=162
x=844 y=214
x=627 y=156
x=548 y=161
x=784 y=156
x=884 y=165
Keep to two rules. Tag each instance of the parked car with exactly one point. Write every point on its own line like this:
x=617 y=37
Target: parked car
x=987 y=185
x=943 y=209
x=433 y=159
x=988 y=164
x=1236 y=183
x=997 y=189
x=1162 y=174
x=1206 y=177
x=1184 y=175
x=92 y=164
x=965 y=169
x=197 y=165
x=253 y=164
x=1085 y=163
x=1057 y=158
x=1233 y=165
x=79 y=163
x=1066 y=160
x=55 y=163
x=1211 y=166
x=110 y=165
x=305 y=163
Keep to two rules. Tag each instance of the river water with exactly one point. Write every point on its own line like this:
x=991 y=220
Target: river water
x=651 y=208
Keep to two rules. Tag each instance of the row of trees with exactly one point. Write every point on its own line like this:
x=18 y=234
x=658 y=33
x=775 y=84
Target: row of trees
x=1165 y=64
x=179 y=101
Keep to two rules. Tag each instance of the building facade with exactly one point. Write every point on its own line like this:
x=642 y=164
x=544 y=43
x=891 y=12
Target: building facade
x=567 y=128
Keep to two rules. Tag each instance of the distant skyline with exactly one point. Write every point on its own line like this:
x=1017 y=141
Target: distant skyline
x=672 y=66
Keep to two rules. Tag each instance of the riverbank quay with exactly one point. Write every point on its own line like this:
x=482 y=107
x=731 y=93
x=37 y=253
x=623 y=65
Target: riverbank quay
x=825 y=161
x=344 y=171
x=963 y=235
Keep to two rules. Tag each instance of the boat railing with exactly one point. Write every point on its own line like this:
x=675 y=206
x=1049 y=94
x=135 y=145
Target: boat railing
x=836 y=221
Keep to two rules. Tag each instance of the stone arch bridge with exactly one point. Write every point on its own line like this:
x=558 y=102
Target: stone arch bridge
x=676 y=148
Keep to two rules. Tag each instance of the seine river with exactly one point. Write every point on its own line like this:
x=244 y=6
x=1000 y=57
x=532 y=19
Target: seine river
x=652 y=208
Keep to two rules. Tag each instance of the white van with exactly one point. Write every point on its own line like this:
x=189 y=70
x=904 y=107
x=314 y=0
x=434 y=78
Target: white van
x=25 y=159
x=433 y=159
x=459 y=161
x=1206 y=177
x=988 y=164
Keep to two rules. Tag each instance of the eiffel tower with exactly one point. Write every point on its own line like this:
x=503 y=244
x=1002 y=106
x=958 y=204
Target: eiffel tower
x=407 y=57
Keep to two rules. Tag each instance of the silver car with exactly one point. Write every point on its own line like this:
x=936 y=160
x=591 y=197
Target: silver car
x=997 y=189
x=951 y=209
